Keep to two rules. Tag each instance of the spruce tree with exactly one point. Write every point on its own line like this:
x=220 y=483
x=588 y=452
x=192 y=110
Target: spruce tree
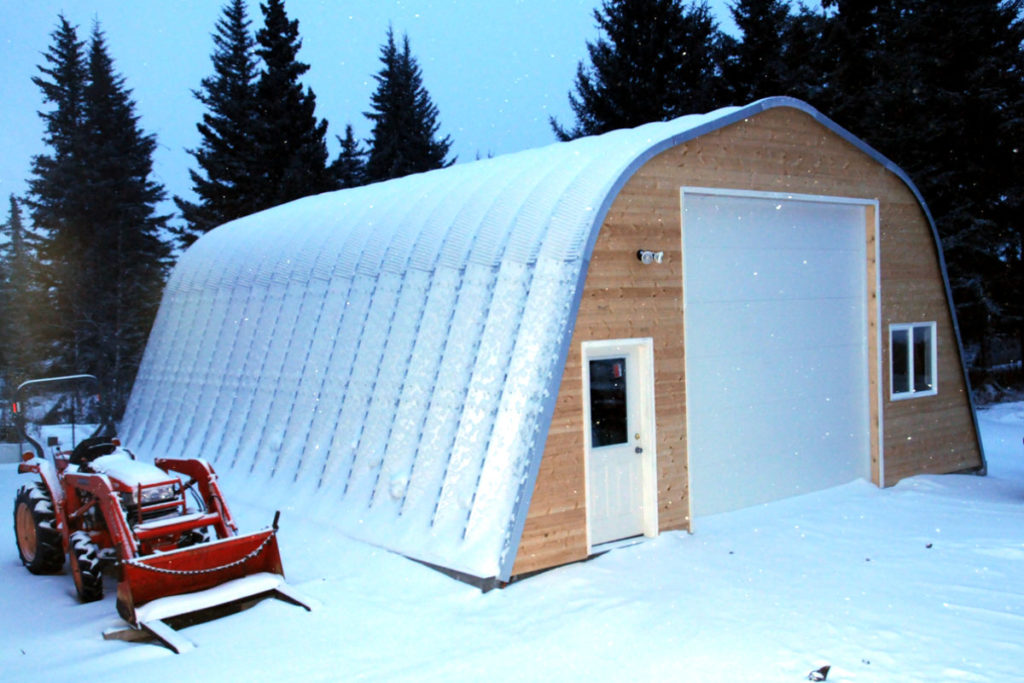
x=101 y=255
x=967 y=77
x=937 y=88
x=20 y=299
x=760 y=61
x=5 y=306
x=405 y=126
x=6 y=324
x=291 y=148
x=856 y=45
x=349 y=169
x=55 y=199
x=128 y=258
x=656 y=60
x=227 y=151
x=807 y=60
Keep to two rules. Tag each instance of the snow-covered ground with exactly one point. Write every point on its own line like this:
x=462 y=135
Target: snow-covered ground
x=920 y=582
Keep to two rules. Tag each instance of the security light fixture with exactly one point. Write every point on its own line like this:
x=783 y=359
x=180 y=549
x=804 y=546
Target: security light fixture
x=647 y=257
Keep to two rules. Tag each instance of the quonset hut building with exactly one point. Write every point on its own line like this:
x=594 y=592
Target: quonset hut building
x=496 y=367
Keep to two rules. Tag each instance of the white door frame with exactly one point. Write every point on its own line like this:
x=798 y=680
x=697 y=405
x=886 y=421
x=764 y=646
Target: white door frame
x=872 y=302
x=642 y=350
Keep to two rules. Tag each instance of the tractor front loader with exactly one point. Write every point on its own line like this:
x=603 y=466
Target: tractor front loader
x=164 y=528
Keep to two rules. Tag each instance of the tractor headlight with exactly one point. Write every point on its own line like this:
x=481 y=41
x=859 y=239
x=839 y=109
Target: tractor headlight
x=157 y=494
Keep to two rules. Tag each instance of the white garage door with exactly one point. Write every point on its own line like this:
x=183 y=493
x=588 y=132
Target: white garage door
x=776 y=346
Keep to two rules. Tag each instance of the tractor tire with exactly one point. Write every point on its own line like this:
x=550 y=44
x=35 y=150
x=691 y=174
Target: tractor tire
x=86 y=567
x=35 y=529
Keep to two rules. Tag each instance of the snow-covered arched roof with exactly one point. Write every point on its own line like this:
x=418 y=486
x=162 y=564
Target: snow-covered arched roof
x=387 y=357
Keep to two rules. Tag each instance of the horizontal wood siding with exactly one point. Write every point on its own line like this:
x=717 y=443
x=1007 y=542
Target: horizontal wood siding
x=780 y=150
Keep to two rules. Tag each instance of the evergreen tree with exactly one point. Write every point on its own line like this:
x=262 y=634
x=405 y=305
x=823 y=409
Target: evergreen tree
x=5 y=307
x=967 y=158
x=1010 y=211
x=657 y=59
x=6 y=324
x=128 y=259
x=19 y=300
x=349 y=169
x=937 y=87
x=55 y=200
x=101 y=255
x=405 y=127
x=808 y=61
x=62 y=83
x=761 y=62
x=855 y=45
x=291 y=159
x=227 y=152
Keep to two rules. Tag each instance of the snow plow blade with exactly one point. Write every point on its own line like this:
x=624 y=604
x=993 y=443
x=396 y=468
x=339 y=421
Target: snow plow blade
x=165 y=585
x=152 y=614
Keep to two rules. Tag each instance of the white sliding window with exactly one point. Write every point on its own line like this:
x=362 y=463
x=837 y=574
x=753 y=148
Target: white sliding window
x=912 y=360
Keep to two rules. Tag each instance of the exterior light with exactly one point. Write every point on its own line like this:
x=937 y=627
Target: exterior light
x=647 y=257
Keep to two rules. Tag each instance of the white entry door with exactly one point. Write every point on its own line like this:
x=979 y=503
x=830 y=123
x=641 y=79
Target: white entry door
x=618 y=405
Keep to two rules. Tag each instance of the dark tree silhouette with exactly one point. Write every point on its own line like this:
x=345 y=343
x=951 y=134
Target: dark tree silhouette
x=102 y=261
x=291 y=148
x=656 y=60
x=405 y=126
x=227 y=150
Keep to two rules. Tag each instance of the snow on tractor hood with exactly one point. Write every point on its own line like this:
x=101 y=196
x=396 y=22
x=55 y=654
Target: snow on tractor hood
x=121 y=466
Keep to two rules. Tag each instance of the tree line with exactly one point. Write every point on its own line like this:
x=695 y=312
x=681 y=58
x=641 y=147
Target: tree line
x=936 y=87
x=81 y=279
x=261 y=141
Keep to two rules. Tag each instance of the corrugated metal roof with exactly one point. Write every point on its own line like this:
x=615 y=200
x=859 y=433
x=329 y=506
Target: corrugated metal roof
x=387 y=357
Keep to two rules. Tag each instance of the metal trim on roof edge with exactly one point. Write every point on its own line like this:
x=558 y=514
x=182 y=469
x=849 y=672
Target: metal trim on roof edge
x=526 y=491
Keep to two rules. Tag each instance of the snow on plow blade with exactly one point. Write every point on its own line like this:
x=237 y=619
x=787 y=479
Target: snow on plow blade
x=165 y=585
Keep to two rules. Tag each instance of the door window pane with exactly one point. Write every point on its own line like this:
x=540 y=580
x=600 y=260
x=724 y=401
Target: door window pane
x=608 y=402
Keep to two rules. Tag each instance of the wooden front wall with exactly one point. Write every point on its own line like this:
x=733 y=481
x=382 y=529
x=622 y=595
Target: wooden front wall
x=779 y=150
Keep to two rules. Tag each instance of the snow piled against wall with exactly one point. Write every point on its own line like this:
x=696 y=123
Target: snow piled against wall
x=386 y=357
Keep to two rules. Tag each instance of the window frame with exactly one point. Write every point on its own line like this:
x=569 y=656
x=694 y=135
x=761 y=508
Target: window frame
x=911 y=391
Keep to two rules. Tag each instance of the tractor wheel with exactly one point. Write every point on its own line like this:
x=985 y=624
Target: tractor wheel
x=35 y=528
x=86 y=567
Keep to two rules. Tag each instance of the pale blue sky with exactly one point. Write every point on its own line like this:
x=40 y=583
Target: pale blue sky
x=496 y=69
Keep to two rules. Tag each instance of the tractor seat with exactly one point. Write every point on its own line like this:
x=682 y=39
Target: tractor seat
x=89 y=449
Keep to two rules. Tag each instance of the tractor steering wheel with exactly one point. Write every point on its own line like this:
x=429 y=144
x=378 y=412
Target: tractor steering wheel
x=89 y=449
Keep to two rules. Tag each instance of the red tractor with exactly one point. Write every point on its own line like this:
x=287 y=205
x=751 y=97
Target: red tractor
x=164 y=528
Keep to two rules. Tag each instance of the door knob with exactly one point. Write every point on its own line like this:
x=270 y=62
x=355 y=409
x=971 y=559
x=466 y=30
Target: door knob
x=639 y=450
